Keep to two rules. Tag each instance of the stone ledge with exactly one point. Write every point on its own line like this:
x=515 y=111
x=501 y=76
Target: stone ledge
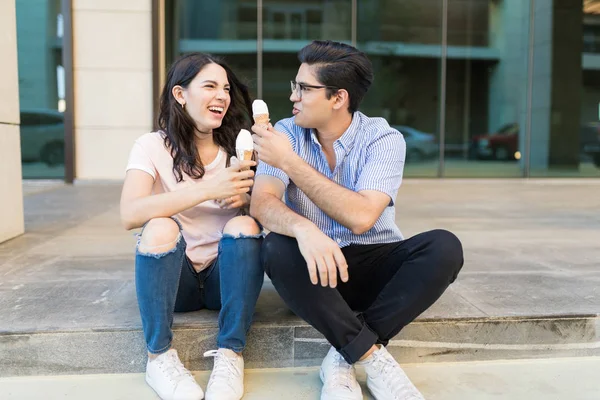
x=288 y=345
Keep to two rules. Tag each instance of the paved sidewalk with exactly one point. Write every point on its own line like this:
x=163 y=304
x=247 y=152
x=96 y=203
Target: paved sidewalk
x=553 y=379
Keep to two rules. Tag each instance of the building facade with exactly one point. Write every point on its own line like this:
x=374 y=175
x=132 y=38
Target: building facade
x=479 y=88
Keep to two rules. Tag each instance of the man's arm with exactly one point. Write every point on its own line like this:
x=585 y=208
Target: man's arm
x=322 y=254
x=266 y=206
x=357 y=211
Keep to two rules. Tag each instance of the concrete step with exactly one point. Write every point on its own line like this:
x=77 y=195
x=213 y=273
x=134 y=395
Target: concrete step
x=529 y=287
x=289 y=342
x=548 y=379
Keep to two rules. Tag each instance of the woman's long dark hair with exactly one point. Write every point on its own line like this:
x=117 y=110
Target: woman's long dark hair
x=179 y=128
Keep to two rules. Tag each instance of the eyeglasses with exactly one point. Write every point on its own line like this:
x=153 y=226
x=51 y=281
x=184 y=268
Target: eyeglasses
x=298 y=88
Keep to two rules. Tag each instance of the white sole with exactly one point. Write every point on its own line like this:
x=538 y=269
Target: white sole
x=325 y=397
x=150 y=383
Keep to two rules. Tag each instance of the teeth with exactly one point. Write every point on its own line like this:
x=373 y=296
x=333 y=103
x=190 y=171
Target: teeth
x=219 y=109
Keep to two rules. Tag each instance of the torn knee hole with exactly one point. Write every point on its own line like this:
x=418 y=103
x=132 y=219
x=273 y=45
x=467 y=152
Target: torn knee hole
x=243 y=236
x=158 y=250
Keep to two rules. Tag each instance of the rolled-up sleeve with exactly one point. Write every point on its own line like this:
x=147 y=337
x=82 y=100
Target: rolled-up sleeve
x=384 y=165
x=266 y=169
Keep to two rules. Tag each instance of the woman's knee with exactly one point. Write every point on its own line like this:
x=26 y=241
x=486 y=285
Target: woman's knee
x=242 y=225
x=159 y=235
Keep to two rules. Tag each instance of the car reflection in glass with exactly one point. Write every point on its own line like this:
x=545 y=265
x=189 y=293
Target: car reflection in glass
x=42 y=136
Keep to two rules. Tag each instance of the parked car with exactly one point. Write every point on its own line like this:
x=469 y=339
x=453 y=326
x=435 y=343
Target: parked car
x=503 y=145
x=591 y=146
x=419 y=145
x=42 y=136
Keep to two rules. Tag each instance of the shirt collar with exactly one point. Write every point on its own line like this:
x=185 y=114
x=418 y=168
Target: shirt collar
x=348 y=137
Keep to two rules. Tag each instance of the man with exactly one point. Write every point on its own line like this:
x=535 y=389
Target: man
x=340 y=171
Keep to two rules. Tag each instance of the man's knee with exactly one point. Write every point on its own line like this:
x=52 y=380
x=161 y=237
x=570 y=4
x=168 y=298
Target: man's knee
x=242 y=225
x=279 y=252
x=450 y=249
x=159 y=235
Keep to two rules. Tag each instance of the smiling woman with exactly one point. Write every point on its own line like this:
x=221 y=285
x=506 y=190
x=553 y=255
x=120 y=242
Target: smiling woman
x=205 y=100
x=196 y=249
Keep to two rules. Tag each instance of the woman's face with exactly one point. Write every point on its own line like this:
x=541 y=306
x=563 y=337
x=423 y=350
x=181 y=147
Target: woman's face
x=207 y=97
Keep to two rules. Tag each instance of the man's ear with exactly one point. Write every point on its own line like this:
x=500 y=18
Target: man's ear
x=342 y=99
x=177 y=92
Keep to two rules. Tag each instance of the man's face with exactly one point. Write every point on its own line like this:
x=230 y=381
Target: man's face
x=311 y=106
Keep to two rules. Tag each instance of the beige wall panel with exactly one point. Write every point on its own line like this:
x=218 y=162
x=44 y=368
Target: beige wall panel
x=113 y=83
x=9 y=82
x=113 y=40
x=116 y=5
x=11 y=200
x=113 y=99
x=103 y=153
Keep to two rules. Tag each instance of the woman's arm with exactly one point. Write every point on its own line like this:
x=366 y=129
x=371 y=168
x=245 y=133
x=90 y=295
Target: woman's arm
x=139 y=206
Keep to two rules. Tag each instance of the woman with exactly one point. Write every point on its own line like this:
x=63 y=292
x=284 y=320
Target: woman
x=207 y=255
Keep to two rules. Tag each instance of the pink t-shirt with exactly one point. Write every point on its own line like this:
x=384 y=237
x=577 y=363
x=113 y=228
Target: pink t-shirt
x=202 y=224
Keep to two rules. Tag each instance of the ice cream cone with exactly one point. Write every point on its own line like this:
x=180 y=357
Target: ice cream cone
x=244 y=146
x=244 y=154
x=262 y=119
x=260 y=112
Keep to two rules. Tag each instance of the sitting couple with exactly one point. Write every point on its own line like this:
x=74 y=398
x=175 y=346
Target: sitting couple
x=334 y=252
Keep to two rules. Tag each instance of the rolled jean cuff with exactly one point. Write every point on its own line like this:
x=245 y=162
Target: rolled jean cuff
x=354 y=350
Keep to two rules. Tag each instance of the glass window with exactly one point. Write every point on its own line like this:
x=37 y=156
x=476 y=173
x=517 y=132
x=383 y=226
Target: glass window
x=289 y=26
x=403 y=40
x=41 y=88
x=504 y=115
x=486 y=88
x=225 y=28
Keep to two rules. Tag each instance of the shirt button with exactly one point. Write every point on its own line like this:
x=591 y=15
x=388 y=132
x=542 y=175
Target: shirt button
x=339 y=240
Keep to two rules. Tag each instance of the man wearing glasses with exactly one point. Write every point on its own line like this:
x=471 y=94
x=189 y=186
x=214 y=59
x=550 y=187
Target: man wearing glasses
x=335 y=254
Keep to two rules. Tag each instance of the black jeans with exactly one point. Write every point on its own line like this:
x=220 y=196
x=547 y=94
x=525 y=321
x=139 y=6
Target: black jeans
x=389 y=286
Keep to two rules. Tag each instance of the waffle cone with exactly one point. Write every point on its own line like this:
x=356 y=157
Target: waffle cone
x=244 y=155
x=261 y=119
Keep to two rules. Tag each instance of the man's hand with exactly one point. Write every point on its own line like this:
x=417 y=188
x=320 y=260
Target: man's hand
x=322 y=255
x=273 y=147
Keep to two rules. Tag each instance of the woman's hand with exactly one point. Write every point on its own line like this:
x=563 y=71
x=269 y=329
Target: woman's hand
x=231 y=182
x=237 y=201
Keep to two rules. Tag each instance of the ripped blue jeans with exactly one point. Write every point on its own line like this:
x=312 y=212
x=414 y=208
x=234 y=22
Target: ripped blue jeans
x=167 y=283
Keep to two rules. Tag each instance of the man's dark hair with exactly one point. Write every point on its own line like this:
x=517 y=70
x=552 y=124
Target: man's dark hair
x=341 y=66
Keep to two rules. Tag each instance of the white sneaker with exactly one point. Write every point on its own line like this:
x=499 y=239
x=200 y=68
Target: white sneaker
x=386 y=380
x=227 y=377
x=339 y=378
x=170 y=380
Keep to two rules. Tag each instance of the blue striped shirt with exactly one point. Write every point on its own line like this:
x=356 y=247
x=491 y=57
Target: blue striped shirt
x=369 y=156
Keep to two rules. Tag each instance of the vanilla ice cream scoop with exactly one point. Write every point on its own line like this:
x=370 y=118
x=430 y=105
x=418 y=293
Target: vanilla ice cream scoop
x=244 y=146
x=260 y=112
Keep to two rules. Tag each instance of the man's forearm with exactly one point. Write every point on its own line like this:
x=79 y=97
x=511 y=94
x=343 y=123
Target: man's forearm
x=277 y=217
x=342 y=204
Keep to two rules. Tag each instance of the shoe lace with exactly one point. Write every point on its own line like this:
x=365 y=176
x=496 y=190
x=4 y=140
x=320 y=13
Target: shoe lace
x=173 y=368
x=396 y=380
x=224 y=368
x=343 y=373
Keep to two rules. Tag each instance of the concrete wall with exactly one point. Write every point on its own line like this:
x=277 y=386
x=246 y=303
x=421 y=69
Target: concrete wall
x=11 y=197
x=113 y=83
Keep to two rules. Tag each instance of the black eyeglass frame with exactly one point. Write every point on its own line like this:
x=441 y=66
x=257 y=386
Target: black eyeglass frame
x=295 y=85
